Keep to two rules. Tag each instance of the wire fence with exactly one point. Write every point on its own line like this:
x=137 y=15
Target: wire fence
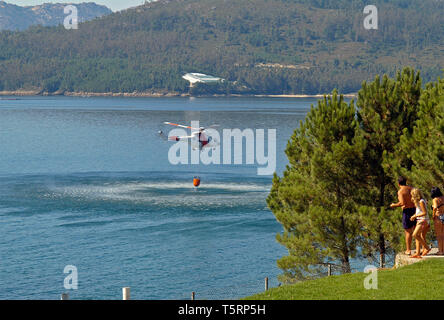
x=233 y=292
x=246 y=289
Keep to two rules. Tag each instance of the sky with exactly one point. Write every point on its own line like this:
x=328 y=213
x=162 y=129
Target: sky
x=114 y=5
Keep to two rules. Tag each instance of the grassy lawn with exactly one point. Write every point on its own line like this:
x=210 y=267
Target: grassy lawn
x=423 y=280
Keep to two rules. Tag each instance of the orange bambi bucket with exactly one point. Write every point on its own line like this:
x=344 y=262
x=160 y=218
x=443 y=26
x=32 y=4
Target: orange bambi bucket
x=196 y=181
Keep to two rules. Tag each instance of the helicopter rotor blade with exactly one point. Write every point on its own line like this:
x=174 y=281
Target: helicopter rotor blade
x=181 y=126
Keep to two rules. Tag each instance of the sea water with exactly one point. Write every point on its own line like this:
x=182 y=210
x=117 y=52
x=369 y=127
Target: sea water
x=86 y=182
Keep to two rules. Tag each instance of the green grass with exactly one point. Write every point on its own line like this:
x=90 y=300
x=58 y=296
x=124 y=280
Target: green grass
x=420 y=281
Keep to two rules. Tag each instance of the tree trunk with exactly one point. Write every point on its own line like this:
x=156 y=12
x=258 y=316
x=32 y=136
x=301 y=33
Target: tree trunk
x=381 y=251
x=345 y=254
x=381 y=241
x=346 y=265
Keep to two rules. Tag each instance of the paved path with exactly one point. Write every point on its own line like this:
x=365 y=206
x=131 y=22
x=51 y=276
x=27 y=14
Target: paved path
x=403 y=259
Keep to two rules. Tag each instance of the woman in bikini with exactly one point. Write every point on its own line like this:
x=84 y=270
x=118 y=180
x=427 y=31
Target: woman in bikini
x=422 y=223
x=438 y=217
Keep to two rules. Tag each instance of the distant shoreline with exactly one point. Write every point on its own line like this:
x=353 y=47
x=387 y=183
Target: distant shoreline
x=24 y=93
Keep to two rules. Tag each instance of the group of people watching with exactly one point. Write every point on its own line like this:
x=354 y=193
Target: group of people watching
x=415 y=217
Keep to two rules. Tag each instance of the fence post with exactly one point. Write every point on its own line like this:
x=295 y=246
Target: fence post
x=193 y=295
x=329 y=270
x=64 y=296
x=126 y=293
x=266 y=283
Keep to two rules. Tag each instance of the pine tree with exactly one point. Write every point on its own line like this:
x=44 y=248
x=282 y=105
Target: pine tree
x=314 y=199
x=424 y=146
x=386 y=109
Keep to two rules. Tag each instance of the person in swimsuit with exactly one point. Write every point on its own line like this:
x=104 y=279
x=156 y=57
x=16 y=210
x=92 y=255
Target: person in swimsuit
x=438 y=210
x=422 y=223
x=408 y=210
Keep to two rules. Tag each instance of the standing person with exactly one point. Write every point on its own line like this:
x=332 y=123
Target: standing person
x=422 y=223
x=438 y=210
x=408 y=210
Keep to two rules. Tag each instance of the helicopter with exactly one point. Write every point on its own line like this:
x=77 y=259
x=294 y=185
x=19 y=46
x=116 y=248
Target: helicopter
x=197 y=134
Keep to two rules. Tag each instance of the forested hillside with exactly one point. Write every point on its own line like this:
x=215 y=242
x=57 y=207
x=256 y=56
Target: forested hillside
x=260 y=46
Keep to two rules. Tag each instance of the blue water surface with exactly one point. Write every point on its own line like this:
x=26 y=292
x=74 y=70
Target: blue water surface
x=87 y=182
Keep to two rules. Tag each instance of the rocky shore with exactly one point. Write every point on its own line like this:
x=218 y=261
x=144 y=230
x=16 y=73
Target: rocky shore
x=154 y=94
